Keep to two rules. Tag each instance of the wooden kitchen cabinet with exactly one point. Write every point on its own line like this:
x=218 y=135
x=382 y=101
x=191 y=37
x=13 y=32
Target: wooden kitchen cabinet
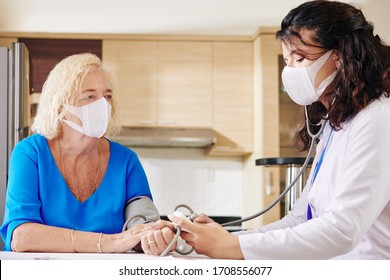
x=233 y=97
x=185 y=84
x=134 y=67
x=164 y=84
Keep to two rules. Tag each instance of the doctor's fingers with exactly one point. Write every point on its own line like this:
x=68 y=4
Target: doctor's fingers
x=203 y=218
x=184 y=224
x=188 y=237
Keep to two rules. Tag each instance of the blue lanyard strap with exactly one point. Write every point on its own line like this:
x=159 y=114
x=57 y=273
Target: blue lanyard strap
x=316 y=169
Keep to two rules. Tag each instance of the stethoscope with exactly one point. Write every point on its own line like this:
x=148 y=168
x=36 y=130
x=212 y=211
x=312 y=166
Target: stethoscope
x=184 y=249
x=314 y=137
x=181 y=246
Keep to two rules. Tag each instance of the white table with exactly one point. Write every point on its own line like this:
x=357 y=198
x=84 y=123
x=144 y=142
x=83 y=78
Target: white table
x=91 y=266
x=4 y=255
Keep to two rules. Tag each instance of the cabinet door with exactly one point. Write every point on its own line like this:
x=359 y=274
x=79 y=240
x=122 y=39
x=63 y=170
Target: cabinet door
x=134 y=66
x=233 y=92
x=185 y=84
x=46 y=53
x=7 y=42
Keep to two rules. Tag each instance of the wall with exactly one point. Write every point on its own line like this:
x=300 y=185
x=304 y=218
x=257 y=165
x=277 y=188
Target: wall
x=376 y=11
x=207 y=184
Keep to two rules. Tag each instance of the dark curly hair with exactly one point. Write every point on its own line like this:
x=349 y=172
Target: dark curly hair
x=364 y=59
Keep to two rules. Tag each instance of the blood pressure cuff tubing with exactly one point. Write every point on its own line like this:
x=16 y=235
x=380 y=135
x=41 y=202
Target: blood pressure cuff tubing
x=140 y=210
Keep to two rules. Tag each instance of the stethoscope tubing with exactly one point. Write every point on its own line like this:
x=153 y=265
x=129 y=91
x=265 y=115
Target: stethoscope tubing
x=314 y=137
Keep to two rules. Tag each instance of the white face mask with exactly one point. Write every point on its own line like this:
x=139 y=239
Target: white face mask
x=299 y=82
x=94 y=117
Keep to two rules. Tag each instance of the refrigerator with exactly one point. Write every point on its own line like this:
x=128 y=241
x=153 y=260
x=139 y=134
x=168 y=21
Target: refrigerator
x=14 y=108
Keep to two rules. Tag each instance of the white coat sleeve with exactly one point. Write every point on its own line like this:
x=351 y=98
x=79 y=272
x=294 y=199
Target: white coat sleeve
x=362 y=192
x=294 y=217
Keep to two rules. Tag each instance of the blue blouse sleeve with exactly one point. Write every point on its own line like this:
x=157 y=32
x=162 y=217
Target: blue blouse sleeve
x=22 y=203
x=136 y=180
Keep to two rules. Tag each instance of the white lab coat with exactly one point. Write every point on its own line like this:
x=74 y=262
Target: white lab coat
x=350 y=197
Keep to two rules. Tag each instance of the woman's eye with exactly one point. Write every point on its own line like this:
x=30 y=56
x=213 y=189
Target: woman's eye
x=88 y=98
x=300 y=59
x=108 y=97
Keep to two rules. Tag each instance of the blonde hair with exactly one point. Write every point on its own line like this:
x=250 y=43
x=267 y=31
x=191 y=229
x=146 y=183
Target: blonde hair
x=62 y=87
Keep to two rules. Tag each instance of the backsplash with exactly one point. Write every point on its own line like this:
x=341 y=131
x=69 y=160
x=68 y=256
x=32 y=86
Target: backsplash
x=208 y=185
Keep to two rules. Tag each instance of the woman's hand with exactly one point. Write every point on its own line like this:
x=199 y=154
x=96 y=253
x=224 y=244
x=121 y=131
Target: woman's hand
x=157 y=239
x=209 y=238
x=131 y=238
x=151 y=238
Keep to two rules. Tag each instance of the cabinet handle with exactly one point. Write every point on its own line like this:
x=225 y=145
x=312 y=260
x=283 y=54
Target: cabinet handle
x=168 y=123
x=148 y=122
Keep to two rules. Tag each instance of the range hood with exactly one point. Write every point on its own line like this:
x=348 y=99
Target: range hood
x=165 y=137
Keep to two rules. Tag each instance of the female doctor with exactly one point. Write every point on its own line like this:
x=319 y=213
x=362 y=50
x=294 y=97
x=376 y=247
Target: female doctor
x=338 y=70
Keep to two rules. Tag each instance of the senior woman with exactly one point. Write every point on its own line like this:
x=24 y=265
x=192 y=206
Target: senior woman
x=68 y=185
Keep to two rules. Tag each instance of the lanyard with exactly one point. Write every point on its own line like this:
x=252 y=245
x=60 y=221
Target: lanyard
x=316 y=169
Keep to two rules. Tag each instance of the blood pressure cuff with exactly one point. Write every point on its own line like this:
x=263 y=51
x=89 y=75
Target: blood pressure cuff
x=140 y=210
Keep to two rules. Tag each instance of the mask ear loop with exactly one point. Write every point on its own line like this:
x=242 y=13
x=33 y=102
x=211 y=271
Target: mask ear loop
x=317 y=65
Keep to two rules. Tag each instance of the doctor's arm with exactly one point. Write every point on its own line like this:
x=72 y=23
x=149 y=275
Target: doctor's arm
x=296 y=216
x=209 y=238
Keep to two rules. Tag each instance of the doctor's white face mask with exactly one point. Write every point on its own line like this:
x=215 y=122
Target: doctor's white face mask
x=299 y=81
x=95 y=117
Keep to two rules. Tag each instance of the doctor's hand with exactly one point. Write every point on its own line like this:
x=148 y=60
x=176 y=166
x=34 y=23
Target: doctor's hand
x=157 y=239
x=209 y=238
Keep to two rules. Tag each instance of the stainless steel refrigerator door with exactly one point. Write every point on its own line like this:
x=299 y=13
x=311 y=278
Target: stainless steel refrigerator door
x=4 y=77
x=14 y=108
x=19 y=105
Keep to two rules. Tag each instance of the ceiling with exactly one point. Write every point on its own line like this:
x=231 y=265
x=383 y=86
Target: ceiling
x=189 y=17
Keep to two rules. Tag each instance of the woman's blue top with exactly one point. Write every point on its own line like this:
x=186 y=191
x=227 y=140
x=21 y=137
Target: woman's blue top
x=38 y=193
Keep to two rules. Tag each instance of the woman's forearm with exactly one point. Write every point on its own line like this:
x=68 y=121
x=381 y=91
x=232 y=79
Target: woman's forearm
x=33 y=237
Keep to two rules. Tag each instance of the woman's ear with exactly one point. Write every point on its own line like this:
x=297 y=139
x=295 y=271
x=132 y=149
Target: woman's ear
x=62 y=112
x=336 y=58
